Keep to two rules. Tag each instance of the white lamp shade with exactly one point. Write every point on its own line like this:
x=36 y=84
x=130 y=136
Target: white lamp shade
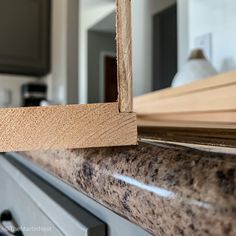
x=193 y=70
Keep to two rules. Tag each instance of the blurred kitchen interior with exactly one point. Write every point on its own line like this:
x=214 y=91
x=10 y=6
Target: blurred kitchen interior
x=82 y=64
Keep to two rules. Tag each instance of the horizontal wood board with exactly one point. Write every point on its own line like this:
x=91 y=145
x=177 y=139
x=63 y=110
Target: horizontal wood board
x=72 y=126
x=203 y=112
x=222 y=137
x=228 y=117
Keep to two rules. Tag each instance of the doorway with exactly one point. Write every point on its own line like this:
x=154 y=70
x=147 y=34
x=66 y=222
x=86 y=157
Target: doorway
x=164 y=47
x=108 y=77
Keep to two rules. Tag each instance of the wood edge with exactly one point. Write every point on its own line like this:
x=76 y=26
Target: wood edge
x=7 y=146
x=185 y=124
x=191 y=135
x=214 y=99
x=229 y=78
x=124 y=64
x=223 y=117
x=202 y=147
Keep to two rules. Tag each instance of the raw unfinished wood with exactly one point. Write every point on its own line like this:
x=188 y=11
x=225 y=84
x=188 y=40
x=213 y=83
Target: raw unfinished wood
x=215 y=94
x=203 y=112
x=221 y=137
x=225 y=79
x=218 y=116
x=185 y=124
x=72 y=126
x=124 y=55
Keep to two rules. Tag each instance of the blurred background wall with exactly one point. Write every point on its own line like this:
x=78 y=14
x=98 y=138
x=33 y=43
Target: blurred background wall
x=75 y=75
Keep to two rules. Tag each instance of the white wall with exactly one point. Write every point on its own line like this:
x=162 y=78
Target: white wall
x=90 y=14
x=99 y=43
x=142 y=12
x=183 y=32
x=13 y=83
x=219 y=18
x=63 y=79
x=57 y=78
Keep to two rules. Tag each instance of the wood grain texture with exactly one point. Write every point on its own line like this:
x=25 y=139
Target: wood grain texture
x=213 y=94
x=220 y=80
x=218 y=116
x=212 y=136
x=124 y=55
x=72 y=126
x=184 y=124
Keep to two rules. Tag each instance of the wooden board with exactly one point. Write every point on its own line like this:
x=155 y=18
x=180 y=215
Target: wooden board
x=215 y=94
x=124 y=55
x=72 y=126
x=217 y=99
x=202 y=112
x=221 y=137
x=218 y=116
x=221 y=80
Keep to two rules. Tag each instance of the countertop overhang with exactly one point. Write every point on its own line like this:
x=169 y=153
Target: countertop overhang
x=165 y=189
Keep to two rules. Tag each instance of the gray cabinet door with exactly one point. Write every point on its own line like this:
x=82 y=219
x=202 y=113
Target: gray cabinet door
x=40 y=209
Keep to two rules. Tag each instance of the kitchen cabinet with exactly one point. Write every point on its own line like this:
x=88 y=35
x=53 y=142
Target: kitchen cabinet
x=41 y=203
x=25 y=28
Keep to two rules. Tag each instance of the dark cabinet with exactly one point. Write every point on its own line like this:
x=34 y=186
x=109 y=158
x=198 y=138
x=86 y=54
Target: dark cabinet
x=25 y=27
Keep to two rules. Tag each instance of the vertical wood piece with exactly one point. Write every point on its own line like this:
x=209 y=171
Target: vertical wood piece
x=124 y=55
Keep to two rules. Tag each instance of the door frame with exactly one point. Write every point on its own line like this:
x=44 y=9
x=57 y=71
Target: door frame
x=156 y=55
x=102 y=56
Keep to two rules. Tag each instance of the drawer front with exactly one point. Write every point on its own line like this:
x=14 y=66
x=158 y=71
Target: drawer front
x=26 y=213
x=39 y=209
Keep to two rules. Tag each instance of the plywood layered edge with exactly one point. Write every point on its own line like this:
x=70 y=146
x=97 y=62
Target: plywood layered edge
x=72 y=126
x=203 y=112
x=210 y=136
x=218 y=116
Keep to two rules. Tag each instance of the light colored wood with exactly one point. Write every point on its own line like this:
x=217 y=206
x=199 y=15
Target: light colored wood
x=124 y=55
x=185 y=124
x=72 y=126
x=79 y=126
x=190 y=132
x=214 y=94
x=221 y=80
x=221 y=117
x=218 y=99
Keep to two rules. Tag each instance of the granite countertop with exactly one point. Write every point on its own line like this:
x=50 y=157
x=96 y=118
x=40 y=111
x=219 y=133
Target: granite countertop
x=167 y=190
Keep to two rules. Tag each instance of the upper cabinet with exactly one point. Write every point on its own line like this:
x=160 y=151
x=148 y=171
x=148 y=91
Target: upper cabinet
x=25 y=37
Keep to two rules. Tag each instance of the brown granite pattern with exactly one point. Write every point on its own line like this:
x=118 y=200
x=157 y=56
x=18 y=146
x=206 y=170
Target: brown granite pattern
x=168 y=191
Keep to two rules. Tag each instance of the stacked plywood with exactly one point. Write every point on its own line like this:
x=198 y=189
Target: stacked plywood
x=210 y=102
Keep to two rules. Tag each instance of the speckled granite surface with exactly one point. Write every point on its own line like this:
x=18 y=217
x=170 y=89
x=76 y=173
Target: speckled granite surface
x=166 y=190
